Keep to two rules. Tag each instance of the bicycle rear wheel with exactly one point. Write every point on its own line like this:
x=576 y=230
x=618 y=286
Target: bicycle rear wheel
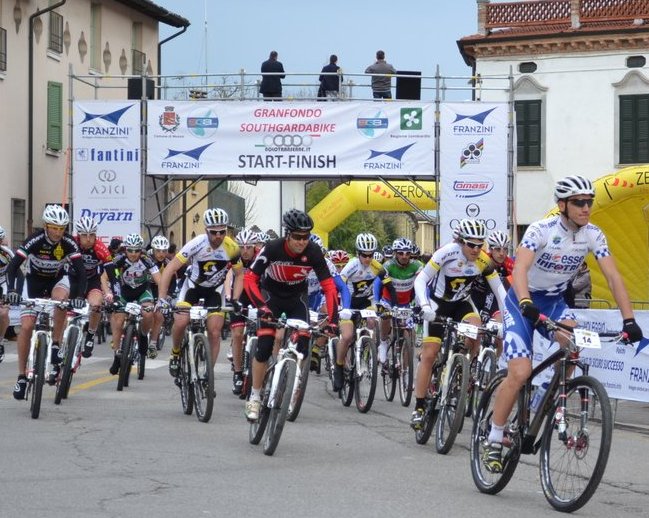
x=141 y=361
x=388 y=374
x=485 y=373
x=247 y=368
x=65 y=380
x=184 y=382
x=38 y=377
x=572 y=463
x=365 y=382
x=486 y=481
x=258 y=427
x=452 y=410
x=278 y=412
x=330 y=359
x=204 y=384
x=347 y=392
x=406 y=369
x=299 y=388
x=125 y=358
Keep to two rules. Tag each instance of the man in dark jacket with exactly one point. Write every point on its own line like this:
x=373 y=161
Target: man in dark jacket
x=330 y=84
x=271 y=85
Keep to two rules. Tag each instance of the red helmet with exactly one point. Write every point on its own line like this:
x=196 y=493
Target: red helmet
x=339 y=257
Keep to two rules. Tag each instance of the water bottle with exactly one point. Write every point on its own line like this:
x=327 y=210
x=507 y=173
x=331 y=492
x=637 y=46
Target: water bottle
x=538 y=396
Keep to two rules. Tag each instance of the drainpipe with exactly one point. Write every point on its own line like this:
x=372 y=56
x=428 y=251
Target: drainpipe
x=160 y=53
x=30 y=115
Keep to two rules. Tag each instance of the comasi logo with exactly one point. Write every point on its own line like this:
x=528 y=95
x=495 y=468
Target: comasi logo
x=178 y=156
x=472 y=186
x=372 y=124
x=472 y=124
x=396 y=155
x=113 y=130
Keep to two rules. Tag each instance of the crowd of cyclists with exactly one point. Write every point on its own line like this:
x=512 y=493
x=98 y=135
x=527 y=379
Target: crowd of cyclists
x=470 y=279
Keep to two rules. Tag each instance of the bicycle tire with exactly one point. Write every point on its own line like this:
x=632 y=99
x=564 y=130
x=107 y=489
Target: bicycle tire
x=277 y=417
x=299 y=388
x=387 y=373
x=161 y=338
x=125 y=358
x=406 y=369
x=204 y=384
x=558 y=459
x=347 y=390
x=141 y=361
x=484 y=375
x=451 y=413
x=247 y=369
x=431 y=410
x=365 y=382
x=258 y=427
x=38 y=377
x=485 y=481
x=184 y=381
x=331 y=362
x=65 y=379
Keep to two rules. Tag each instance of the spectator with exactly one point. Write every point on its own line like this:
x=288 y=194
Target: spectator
x=330 y=84
x=381 y=84
x=271 y=85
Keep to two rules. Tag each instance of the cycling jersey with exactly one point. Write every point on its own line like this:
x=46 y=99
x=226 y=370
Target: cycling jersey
x=161 y=266
x=94 y=258
x=403 y=280
x=316 y=297
x=207 y=266
x=361 y=280
x=6 y=255
x=481 y=293
x=134 y=275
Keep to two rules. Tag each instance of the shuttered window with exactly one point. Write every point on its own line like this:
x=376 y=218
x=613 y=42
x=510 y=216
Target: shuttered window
x=634 y=129
x=54 y=116
x=528 y=132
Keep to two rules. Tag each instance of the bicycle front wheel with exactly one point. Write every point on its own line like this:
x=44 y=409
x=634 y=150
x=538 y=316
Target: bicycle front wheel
x=184 y=381
x=573 y=462
x=299 y=388
x=278 y=412
x=38 y=376
x=248 y=355
x=65 y=380
x=486 y=371
x=258 y=427
x=365 y=383
x=125 y=359
x=204 y=384
x=406 y=369
x=389 y=375
x=452 y=410
x=347 y=392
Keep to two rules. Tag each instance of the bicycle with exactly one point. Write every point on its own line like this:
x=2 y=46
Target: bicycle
x=71 y=349
x=129 y=347
x=399 y=368
x=249 y=352
x=361 y=365
x=483 y=367
x=574 y=442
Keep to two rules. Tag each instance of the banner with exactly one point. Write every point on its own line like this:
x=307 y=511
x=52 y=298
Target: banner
x=289 y=139
x=473 y=165
x=106 y=166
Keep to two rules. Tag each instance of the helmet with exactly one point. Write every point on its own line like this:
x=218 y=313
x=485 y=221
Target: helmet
x=498 y=239
x=471 y=229
x=160 y=243
x=56 y=215
x=215 y=217
x=387 y=251
x=366 y=242
x=378 y=256
x=262 y=237
x=339 y=257
x=297 y=220
x=402 y=244
x=415 y=249
x=572 y=186
x=85 y=225
x=3 y=234
x=247 y=237
x=134 y=241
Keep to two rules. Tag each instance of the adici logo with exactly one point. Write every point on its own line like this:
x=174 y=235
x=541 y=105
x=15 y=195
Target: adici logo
x=395 y=155
x=101 y=129
x=179 y=163
x=472 y=124
x=472 y=186
x=472 y=153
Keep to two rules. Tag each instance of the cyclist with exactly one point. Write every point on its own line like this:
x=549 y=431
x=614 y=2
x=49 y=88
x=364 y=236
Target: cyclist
x=6 y=254
x=208 y=257
x=359 y=274
x=247 y=241
x=46 y=252
x=378 y=257
x=387 y=252
x=281 y=270
x=158 y=254
x=95 y=256
x=402 y=270
x=339 y=258
x=132 y=285
x=443 y=289
x=548 y=256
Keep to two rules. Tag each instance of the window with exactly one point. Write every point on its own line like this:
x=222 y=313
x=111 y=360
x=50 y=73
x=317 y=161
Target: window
x=56 y=32
x=636 y=61
x=95 y=37
x=54 y=116
x=634 y=129
x=3 y=49
x=528 y=132
x=139 y=58
x=528 y=67
x=17 y=222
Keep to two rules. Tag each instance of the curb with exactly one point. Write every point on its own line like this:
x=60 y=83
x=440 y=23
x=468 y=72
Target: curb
x=638 y=428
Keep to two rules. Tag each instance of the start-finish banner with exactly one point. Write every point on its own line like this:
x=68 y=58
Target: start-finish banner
x=473 y=165
x=106 y=165
x=289 y=139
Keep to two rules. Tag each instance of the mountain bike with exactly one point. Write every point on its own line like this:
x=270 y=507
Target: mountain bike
x=399 y=368
x=572 y=428
x=249 y=351
x=129 y=347
x=71 y=348
x=483 y=366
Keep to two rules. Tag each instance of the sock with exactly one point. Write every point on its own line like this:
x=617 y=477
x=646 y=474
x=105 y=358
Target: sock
x=420 y=402
x=255 y=394
x=496 y=433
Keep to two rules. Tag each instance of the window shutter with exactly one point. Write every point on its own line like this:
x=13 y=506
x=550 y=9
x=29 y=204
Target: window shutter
x=528 y=132
x=54 y=115
x=634 y=129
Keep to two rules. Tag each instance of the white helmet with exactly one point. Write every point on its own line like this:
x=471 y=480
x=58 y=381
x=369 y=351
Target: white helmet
x=134 y=241
x=215 y=218
x=366 y=242
x=315 y=238
x=498 y=239
x=378 y=256
x=573 y=186
x=160 y=243
x=86 y=225
x=247 y=237
x=402 y=244
x=471 y=229
x=3 y=234
x=56 y=215
x=263 y=237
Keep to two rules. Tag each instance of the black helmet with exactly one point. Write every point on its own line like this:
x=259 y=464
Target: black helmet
x=297 y=220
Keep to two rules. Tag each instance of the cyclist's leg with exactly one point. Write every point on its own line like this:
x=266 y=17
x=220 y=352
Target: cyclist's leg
x=4 y=325
x=384 y=335
x=215 y=320
x=237 y=326
x=146 y=300
x=95 y=300
x=431 y=344
x=61 y=291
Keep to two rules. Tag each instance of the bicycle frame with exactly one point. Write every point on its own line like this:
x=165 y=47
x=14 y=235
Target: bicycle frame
x=288 y=352
x=77 y=320
x=42 y=327
x=197 y=326
x=363 y=330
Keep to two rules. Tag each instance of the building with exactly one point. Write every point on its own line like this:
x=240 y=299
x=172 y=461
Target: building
x=581 y=87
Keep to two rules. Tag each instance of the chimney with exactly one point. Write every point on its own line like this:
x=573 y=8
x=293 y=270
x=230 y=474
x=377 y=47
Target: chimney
x=574 y=13
x=482 y=16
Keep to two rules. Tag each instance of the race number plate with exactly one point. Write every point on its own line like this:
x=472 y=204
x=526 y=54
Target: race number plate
x=132 y=308
x=468 y=330
x=368 y=313
x=586 y=339
x=197 y=313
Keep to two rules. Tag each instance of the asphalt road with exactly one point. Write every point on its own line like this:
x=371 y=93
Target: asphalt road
x=104 y=453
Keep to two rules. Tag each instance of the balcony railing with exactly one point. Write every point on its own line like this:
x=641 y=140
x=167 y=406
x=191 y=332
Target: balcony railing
x=138 y=60
x=56 y=32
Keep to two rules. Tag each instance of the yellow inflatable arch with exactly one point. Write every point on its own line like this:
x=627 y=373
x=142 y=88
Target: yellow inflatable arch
x=346 y=199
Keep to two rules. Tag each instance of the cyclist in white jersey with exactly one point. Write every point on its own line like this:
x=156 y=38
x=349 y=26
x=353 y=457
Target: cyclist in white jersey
x=549 y=255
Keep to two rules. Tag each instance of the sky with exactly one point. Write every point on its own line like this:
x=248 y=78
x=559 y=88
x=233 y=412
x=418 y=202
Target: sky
x=416 y=35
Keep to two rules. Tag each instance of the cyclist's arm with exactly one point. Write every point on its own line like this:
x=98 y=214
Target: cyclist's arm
x=524 y=261
x=227 y=285
x=12 y=270
x=421 y=283
x=616 y=285
x=157 y=278
x=237 y=288
x=331 y=297
x=78 y=289
x=341 y=286
x=497 y=288
x=167 y=274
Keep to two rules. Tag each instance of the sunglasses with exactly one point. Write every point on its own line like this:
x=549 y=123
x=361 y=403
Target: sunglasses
x=361 y=254
x=582 y=203
x=247 y=246
x=473 y=246
x=300 y=237
x=497 y=249
x=133 y=250
x=213 y=232
x=403 y=253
